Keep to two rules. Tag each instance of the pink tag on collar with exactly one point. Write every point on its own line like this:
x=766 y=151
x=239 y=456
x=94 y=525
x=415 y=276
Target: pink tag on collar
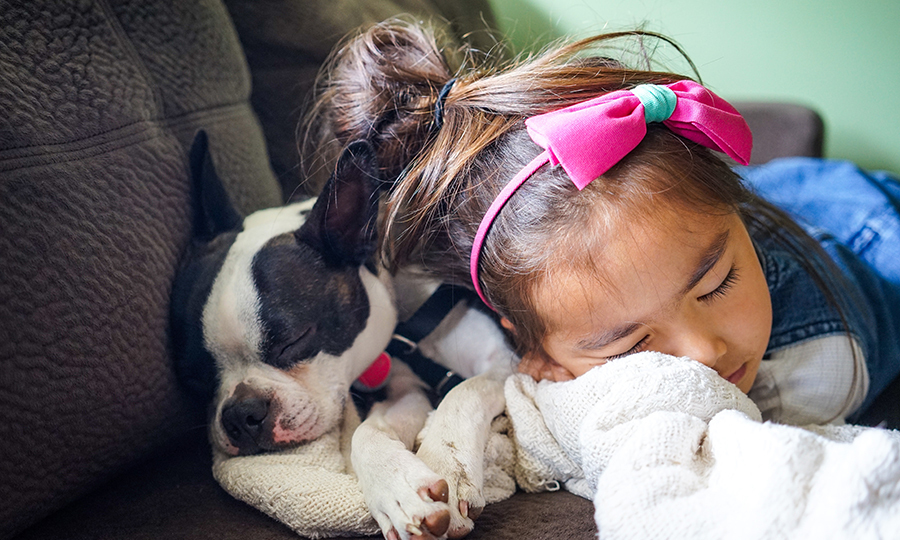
x=377 y=373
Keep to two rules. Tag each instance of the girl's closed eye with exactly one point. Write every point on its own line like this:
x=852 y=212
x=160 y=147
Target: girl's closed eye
x=723 y=288
x=638 y=347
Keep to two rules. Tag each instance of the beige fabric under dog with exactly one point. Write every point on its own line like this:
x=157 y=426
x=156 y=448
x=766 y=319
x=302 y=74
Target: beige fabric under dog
x=309 y=488
x=312 y=490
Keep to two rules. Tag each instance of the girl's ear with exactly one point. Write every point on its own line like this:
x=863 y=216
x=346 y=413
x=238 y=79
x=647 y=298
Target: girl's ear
x=538 y=363
x=541 y=367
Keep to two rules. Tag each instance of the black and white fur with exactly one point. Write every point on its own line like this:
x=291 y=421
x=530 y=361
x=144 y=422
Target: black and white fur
x=276 y=314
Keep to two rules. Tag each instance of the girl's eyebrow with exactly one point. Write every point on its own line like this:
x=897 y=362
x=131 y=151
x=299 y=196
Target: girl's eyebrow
x=709 y=259
x=606 y=338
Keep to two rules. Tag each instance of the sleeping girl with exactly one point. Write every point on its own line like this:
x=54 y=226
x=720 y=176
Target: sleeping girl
x=587 y=204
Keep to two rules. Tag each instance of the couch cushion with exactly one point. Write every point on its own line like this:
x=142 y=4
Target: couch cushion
x=782 y=130
x=100 y=101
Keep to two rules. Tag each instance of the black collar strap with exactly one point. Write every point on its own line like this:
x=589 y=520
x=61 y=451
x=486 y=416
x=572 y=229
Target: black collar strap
x=404 y=345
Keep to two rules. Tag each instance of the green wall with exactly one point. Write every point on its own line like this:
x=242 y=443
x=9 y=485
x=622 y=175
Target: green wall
x=840 y=57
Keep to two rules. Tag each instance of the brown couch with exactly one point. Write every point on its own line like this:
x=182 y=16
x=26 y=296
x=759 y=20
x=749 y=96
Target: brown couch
x=99 y=100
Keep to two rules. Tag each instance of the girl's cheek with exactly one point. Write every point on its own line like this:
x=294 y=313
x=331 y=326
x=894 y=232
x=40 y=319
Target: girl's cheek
x=541 y=368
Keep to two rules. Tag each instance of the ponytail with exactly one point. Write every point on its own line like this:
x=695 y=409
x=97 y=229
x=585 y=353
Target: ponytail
x=380 y=85
x=383 y=85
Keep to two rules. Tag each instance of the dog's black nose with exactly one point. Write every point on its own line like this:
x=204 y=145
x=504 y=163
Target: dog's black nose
x=243 y=421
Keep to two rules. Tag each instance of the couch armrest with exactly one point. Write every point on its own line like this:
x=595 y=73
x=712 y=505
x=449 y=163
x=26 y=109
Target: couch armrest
x=782 y=130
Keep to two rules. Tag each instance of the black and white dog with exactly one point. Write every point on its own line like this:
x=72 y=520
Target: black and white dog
x=274 y=316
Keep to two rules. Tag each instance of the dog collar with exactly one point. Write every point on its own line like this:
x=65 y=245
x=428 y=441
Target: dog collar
x=374 y=377
x=404 y=346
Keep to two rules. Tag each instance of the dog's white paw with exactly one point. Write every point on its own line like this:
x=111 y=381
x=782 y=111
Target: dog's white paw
x=464 y=479
x=453 y=446
x=406 y=498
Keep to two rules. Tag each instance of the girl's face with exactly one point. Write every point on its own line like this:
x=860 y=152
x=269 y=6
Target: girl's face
x=687 y=285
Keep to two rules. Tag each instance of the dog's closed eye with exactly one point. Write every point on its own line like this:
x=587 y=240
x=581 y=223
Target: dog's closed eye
x=295 y=348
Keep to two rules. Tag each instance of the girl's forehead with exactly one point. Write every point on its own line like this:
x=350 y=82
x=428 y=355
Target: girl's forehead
x=641 y=264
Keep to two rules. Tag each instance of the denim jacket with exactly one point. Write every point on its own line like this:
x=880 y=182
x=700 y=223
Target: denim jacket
x=854 y=217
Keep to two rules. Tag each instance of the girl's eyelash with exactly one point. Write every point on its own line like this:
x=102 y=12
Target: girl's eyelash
x=720 y=291
x=638 y=347
x=723 y=287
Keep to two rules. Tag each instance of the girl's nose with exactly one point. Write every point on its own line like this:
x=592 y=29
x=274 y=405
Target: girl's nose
x=704 y=347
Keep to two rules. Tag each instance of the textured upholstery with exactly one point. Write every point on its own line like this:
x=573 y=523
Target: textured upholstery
x=782 y=130
x=100 y=101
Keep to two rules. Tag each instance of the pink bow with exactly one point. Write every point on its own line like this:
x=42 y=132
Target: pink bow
x=588 y=138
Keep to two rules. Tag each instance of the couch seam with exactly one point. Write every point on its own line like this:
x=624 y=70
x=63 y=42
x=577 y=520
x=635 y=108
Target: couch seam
x=114 y=139
x=126 y=42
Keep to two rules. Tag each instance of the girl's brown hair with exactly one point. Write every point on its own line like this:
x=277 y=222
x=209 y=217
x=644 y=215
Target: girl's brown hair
x=383 y=84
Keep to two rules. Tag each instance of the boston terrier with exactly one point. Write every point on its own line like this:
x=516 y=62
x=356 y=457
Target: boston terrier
x=275 y=315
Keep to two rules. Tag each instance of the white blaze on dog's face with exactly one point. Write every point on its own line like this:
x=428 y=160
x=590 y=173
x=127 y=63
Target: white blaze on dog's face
x=274 y=316
x=289 y=334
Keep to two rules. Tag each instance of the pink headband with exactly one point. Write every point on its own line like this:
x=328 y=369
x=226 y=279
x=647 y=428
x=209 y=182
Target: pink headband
x=588 y=138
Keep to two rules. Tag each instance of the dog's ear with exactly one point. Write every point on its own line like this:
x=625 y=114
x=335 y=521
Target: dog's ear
x=213 y=210
x=341 y=224
x=216 y=224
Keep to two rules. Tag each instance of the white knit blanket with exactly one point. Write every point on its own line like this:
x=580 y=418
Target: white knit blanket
x=668 y=449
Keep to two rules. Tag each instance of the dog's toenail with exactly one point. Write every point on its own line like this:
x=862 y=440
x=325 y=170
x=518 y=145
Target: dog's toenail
x=438 y=523
x=392 y=535
x=439 y=491
x=464 y=508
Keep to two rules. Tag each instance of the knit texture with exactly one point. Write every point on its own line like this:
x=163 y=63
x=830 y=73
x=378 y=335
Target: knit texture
x=99 y=103
x=312 y=488
x=668 y=449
